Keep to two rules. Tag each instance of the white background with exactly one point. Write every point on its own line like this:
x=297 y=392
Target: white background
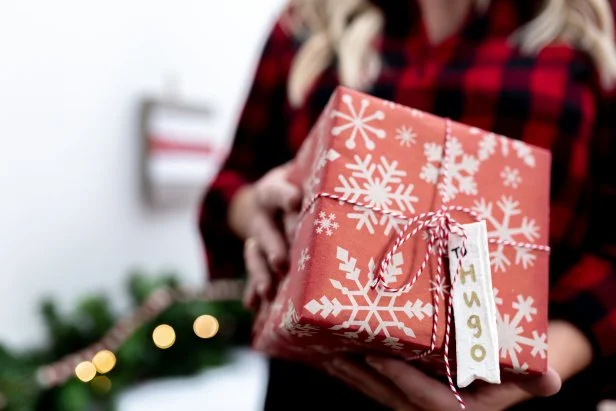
x=72 y=74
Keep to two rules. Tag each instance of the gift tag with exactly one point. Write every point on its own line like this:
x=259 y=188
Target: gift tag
x=474 y=307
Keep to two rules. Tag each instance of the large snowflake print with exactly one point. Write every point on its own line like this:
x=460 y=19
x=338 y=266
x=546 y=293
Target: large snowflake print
x=513 y=338
x=359 y=122
x=291 y=325
x=503 y=229
x=362 y=304
x=376 y=185
x=461 y=169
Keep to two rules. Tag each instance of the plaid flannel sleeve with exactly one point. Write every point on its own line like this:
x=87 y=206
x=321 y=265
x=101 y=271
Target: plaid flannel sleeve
x=585 y=292
x=259 y=144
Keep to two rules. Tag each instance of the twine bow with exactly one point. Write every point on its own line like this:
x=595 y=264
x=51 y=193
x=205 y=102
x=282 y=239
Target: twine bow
x=439 y=224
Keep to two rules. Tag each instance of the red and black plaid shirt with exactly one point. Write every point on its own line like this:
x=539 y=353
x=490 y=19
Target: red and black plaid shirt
x=477 y=77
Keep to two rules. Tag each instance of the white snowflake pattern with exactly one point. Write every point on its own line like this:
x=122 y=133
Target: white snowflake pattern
x=413 y=111
x=512 y=337
x=323 y=156
x=365 y=305
x=290 y=324
x=416 y=113
x=393 y=343
x=489 y=143
x=278 y=303
x=304 y=257
x=391 y=105
x=487 y=146
x=511 y=177
x=406 y=135
x=326 y=223
x=503 y=230
x=376 y=185
x=440 y=286
x=461 y=169
x=524 y=152
x=359 y=123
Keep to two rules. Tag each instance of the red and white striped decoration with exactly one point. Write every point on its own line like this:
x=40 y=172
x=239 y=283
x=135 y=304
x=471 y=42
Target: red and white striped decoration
x=220 y=290
x=440 y=225
x=183 y=149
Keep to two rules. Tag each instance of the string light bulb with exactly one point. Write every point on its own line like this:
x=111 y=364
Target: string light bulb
x=104 y=361
x=163 y=336
x=101 y=384
x=85 y=371
x=206 y=326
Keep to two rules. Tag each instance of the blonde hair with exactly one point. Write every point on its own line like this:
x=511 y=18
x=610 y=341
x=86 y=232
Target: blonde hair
x=344 y=31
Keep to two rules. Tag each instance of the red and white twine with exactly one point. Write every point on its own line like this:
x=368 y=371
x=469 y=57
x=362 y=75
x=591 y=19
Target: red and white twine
x=439 y=224
x=220 y=290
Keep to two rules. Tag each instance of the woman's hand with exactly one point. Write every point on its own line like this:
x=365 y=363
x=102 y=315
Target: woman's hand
x=263 y=215
x=404 y=388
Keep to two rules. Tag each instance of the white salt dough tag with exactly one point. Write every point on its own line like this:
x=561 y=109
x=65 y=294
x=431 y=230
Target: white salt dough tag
x=474 y=307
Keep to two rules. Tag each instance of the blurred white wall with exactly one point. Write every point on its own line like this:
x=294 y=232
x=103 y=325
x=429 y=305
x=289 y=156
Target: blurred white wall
x=71 y=73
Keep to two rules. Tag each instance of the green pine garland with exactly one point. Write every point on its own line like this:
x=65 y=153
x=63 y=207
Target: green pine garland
x=138 y=359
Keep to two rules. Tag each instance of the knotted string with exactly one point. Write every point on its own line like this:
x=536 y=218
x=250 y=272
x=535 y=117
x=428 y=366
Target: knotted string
x=440 y=224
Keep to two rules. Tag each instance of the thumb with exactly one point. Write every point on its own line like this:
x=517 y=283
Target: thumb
x=544 y=386
x=281 y=195
x=291 y=198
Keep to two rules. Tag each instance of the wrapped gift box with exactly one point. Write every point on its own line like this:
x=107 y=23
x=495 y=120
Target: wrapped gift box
x=368 y=167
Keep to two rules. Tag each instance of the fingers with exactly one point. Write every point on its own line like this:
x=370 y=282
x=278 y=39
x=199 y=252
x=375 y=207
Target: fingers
x=249 y=299
x=502 y=396
x=272 y=243
x=290 y=221
x=282 y=196
x=262 y=316
x=291 y=198
x=266 y=253
x=418 y=387
x=259 y=278
x=544 y=386
x=369 y=383
x=275 y=192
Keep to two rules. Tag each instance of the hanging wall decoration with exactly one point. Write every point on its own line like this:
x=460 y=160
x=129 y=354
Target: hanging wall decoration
x=180 y=151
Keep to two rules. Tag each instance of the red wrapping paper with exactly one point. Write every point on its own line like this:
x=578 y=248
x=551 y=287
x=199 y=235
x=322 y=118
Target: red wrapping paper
x=389 y=157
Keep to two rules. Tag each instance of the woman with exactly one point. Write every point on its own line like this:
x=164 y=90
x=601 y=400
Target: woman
x=537 y=71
